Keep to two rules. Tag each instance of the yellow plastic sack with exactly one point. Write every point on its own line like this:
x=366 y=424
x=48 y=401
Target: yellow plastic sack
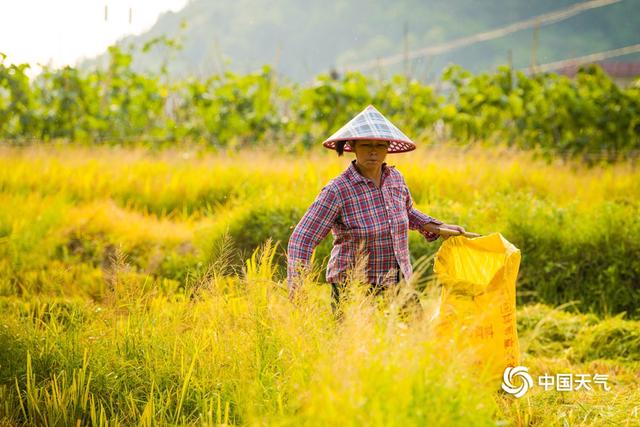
x=478 y=302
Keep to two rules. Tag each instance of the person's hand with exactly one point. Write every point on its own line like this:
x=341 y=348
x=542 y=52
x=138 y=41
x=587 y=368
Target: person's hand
x=448 y=230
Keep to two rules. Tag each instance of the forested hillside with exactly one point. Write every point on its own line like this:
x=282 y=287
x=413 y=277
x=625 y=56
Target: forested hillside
x=304 y=38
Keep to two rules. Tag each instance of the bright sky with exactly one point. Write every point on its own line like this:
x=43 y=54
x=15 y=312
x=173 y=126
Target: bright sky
x=62 y=31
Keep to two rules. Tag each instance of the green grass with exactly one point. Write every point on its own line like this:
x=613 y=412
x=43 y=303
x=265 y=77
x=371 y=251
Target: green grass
x=130 y=293
x=239 y=351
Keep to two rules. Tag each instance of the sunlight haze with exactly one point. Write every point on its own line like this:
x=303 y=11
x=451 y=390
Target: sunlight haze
x=63 y=31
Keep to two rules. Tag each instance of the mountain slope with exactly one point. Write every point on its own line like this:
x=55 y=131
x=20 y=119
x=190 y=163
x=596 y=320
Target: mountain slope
x=304 y=38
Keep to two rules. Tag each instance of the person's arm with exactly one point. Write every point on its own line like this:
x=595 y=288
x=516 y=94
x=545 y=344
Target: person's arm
x=312 y=228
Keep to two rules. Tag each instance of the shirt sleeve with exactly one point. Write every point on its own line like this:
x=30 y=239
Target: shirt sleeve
x=417 y=219
x=309 y=232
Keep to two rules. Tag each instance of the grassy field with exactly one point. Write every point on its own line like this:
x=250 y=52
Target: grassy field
x=130 y=292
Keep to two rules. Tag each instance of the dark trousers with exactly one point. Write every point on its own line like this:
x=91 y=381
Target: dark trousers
x=411 y=306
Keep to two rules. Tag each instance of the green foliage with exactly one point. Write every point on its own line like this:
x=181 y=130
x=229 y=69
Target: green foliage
x=550 y=332
x=581 y=261
x=555 y=332
x=613 y=338
x=246 y=227
x=229 y=110
x=16 y=100
x=259 y=223
x=330 y=103
x=589 y=117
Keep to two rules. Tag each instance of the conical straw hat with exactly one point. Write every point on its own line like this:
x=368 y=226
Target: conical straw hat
x=371 y=124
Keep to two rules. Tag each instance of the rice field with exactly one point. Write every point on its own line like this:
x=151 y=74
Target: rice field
x=132 y=292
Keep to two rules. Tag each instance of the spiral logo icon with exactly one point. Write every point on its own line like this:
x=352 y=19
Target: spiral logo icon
x=521 y=373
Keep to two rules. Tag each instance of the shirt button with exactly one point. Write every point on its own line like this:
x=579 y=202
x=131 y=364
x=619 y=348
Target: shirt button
x=389 y=221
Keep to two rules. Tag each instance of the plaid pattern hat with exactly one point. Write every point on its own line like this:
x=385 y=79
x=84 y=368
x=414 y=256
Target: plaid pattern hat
x=371 y=124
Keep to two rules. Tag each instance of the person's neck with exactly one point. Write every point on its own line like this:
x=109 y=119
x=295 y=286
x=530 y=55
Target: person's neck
x=373 y=174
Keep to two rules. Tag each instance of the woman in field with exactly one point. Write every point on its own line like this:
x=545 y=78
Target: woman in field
x=368 y=208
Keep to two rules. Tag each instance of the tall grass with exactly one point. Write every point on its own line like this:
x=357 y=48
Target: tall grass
x=576 y=226
x=131 y=292
x=240 y=354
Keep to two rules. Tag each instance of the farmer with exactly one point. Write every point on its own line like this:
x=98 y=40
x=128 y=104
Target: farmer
x=368 y=208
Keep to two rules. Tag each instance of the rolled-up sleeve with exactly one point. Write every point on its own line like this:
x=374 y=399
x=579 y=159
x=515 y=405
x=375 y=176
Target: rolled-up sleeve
x=417 y=219
x=309 y=232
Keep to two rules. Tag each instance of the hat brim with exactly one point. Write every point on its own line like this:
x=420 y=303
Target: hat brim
x=395 y=145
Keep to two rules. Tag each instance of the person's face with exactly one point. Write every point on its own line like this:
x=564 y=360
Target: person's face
x=370 y=153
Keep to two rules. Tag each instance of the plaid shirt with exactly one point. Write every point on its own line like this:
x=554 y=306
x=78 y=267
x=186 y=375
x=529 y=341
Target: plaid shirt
x=358 y=213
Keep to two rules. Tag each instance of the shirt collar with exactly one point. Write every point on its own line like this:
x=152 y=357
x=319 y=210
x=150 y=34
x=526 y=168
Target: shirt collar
x=355 y=175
